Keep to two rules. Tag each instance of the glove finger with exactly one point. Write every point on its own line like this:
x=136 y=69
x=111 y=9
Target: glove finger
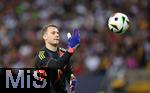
x=72 y=89
x=74 y=83
x=75 y=32
x=68 y=35
x=78 y=35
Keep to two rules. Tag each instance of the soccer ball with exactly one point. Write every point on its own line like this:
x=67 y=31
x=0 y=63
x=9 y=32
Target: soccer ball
x=118 y=23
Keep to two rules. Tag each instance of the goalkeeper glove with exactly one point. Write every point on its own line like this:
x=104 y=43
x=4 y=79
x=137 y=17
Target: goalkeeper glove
x=73 y=41
x=73 y=83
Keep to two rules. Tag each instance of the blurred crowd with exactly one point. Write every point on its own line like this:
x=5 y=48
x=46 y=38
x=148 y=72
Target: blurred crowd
x=100 y=49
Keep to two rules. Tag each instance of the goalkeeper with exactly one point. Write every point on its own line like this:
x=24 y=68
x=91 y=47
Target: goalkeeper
x=57 y=59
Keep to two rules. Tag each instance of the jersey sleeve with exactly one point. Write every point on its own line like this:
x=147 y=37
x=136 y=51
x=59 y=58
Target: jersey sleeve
x=69 y=73
x=67 y=68
x=42 y=61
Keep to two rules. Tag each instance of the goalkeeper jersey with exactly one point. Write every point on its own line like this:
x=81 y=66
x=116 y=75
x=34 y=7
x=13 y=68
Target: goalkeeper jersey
x=59 y=66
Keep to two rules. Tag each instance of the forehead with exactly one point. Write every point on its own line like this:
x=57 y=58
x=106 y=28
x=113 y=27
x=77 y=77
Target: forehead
x=52 y=29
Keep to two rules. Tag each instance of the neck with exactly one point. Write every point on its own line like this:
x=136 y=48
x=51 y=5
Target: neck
x=51 y=47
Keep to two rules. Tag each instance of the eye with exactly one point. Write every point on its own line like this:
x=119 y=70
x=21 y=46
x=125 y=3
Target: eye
x=57 y=33
x=116 y=18
x=53 y=32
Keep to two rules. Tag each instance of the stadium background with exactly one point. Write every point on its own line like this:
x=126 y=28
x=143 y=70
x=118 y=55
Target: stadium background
x=104 y=62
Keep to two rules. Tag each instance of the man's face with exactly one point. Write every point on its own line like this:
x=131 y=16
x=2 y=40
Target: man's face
x=51 y=36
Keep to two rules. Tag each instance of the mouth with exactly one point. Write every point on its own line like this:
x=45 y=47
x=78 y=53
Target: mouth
x=56 y=39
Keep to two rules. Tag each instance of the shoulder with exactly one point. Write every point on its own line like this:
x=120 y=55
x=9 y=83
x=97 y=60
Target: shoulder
x=41 y=54
x=40 y=58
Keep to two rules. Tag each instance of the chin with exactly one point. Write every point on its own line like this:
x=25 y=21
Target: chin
x=55 y=44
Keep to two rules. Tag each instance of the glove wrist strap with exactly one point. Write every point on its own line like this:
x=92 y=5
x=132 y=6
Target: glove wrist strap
x=71 y=50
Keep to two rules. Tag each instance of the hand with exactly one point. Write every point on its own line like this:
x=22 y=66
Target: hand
x=73 y=83
x=74 y=40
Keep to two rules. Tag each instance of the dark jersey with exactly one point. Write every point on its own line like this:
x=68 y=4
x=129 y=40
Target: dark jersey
x=58 y=63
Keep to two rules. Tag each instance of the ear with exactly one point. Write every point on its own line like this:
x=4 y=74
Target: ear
x=44 y=36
